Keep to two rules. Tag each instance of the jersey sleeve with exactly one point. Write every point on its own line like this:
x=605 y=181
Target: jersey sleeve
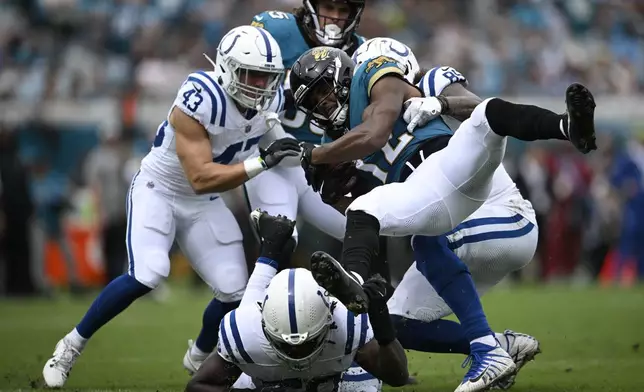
x=201 y=98
x=279 y=102
x=231 y=342
x=378 y=67
x=358 y=333
x=437 y=79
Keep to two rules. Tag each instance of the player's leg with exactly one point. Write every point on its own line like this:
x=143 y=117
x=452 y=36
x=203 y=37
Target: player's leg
x=450 y=184
x=272 y=192
x=150 y=232
x=212 y=241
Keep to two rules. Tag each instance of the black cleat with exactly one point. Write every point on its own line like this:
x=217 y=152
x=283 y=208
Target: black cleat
x=275 y=234
x=330 y=274
x=580 y=106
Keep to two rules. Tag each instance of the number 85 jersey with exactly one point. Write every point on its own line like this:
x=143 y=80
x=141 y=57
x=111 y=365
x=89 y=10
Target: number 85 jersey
x=233 y=137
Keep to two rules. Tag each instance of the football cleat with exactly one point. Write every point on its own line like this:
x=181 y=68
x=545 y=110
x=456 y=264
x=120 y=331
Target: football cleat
x=580 y=107
x=192 y=362
x=340 y=283
x=58 y=367
x=522 y=348
x=487 y=364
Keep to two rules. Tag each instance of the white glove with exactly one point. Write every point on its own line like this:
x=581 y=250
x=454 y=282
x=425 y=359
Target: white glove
x=420 y=111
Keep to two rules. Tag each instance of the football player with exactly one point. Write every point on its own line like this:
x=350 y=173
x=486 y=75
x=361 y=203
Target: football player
x=426 y=191
x=499 y=238
x=207 y=145
x=315 y=23
x=289 y=335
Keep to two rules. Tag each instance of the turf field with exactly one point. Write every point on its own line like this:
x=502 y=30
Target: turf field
x=590 y=340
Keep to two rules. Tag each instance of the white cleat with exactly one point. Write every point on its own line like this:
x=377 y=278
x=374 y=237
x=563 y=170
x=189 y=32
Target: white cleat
x=522 y=348
x=57 y=368
x=192 y=362
x=487 y=364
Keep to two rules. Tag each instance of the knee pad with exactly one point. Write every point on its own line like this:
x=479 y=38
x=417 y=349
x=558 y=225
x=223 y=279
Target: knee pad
x=233 y=297
x=152 y=269
x=436 y=261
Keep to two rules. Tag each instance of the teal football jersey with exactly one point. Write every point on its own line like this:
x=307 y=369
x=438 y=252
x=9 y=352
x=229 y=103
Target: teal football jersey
x=284 y=28
x=385 y=166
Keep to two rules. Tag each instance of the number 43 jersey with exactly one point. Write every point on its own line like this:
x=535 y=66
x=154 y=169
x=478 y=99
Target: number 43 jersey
x=233 y=137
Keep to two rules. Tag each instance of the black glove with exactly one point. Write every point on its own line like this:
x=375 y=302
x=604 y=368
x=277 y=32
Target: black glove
x=276 y=236
x=278 y=150
x=338 y=181
x=379 y=292
x=314 y=173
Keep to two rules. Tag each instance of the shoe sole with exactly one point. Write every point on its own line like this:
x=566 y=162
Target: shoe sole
x=329 y=274
x=581 y=116
x=508 y=381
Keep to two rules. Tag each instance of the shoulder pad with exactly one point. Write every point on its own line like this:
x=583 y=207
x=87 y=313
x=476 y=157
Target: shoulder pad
x=201 y=98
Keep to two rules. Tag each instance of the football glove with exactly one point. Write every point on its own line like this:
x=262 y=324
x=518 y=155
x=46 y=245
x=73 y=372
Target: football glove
x=338 y=181
x=379 y=291
x=314 y=173
x=420 y=111
x=278 y=150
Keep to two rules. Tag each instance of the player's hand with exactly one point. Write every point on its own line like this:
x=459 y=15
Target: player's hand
x=420 y=111
x=278 y=150
x=338 y=182
x=314 y=173
x=379 y=291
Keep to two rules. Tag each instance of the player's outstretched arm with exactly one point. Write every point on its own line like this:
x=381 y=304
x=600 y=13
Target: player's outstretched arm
x=214 y=375
x=378 y=119
x=385 y=362
x=460 y=101
x=383 y=356
x=195 y=153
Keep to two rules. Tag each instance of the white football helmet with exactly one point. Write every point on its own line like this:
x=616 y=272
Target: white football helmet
x=389 y=47
x=249 y=66
x=296 y=317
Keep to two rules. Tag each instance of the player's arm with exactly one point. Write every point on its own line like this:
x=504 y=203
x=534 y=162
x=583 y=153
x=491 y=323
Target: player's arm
x=460 y=102
x=378 y=119
x=385 y=362
x=214 y=375
x=195 y=153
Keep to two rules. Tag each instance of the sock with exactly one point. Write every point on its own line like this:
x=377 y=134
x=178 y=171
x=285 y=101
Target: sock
x=452 y=281
x=379 y=264
x=440 y=336
x=361 y=243
x=114 y=299
x=212 y=316
x=489 y=340
x=525 y=122
x=76 y=340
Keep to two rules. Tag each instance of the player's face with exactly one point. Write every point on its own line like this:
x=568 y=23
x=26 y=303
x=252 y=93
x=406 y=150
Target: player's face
x=323 y=100
x=330 y=12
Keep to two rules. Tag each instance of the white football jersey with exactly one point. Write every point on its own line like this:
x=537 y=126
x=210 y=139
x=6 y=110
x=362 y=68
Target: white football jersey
x=242 y=342
x=233 y=137
x=432 y=84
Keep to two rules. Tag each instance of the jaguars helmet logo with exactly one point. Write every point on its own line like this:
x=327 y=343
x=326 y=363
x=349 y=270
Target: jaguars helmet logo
x=320 y=54
x=378 y=62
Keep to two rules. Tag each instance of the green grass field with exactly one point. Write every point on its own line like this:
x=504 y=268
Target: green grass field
x=590 y=340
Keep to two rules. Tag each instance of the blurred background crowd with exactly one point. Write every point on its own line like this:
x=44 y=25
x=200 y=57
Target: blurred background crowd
x=83 y=84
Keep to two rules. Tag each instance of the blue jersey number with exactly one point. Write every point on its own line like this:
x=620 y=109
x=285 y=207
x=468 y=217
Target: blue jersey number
x=453 y=75
x=158 y=138
x=227 y=156
x=192 y=99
